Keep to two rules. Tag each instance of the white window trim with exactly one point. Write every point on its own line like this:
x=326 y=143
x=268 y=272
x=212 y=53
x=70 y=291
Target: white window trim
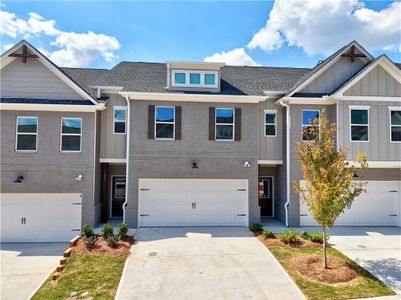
x=275 y=122
x=114 y=119
x=187 y=78
x=390 y=109
x=302 y=122
x=216 y=124
x=356 y=107
x=70 y=134
x=161 y=122
x=26 y=133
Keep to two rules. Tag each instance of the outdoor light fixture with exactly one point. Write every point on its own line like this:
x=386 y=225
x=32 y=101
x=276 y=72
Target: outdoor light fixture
x=78 y=178
x=247 y=164
x=19 y=179
x=355 y=175
x=194 y=165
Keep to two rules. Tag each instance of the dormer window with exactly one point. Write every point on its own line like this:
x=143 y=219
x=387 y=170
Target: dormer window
x=194 y=78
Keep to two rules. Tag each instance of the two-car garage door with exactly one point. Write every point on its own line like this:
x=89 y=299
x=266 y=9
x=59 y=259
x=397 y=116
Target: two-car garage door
x=40 y=217
x=379 y=206
x=193 y=202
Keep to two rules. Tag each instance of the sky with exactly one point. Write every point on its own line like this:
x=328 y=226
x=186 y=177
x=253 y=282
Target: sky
x=288 y=33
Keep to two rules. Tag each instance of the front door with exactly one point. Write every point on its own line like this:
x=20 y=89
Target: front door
x=117 y=196
x=266 y=196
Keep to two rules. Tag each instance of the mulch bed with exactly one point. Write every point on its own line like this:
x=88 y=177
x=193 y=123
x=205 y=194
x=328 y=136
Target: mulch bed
x=102 y=248
x=276 y=242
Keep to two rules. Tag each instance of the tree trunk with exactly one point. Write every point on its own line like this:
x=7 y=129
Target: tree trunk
x=324 y=248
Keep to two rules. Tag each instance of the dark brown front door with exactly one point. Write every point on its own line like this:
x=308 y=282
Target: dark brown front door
x=266 y=196
x=117 y=196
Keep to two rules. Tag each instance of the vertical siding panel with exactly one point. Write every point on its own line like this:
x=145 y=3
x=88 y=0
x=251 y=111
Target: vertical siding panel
x=390 y=88
x=382 y=81
x=374 y=82
x=365 y=85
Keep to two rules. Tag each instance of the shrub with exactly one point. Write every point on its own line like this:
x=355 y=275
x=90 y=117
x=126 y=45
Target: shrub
x=256 y=227
x=90 y=241
x=289 y=236
x=112 y=241
x=317 y=237
x=305 y=235
x=267 y=234
x=88 y=230
x=122 y=230
x=107 y=231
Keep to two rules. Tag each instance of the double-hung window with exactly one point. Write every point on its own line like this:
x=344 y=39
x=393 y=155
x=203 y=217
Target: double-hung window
x=225 y=120
x=26 y=134
x=164 y=123
x=120 y=114
x=395 y=125
x=270 y=122
x=310 y=124
x=359 y=123
x=71 y=134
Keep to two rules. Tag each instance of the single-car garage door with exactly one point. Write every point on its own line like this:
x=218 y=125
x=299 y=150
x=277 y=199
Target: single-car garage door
x=40 y=217
x=193 y=202
x=379 y=206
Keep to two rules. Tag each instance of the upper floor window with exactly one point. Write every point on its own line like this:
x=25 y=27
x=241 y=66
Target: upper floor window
x=164 y=123
x=71 y=134
x=119 y=120
x=225 y=121
x=395 y=124
x=27 y=134
x=359 y=124
x=310 y=124
x=270 y=122
x=184 y=78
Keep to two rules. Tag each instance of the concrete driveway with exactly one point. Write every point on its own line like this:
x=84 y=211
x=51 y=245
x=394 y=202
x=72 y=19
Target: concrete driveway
x=25 y=266
x=203 y=263
x=377 y=249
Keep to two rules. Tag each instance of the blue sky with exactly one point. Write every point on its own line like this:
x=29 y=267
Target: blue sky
x=191 y=31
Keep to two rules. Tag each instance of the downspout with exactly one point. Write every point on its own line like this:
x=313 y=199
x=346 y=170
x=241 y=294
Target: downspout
x=288 y=122
x=127 y=124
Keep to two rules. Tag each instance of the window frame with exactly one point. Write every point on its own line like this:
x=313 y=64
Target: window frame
x=302 y=122
x=270 y=124
x=358 y=107
x=162 y=122
x=70 y=134
x=390 y=109
x=26 y=133
x=114 y=119
x=230 y=124
x=187 y=78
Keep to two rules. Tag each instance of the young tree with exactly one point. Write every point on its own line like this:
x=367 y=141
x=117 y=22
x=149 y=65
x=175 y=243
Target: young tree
x=329 y=179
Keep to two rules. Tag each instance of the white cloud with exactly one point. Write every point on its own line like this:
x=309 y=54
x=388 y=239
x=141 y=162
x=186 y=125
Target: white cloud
x=235 y=57
x=324 y=26
x=7 y=46
x=74 y=49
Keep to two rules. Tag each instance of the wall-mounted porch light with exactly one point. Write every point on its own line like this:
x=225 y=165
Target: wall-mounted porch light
x=19 y=179
x=194 y=165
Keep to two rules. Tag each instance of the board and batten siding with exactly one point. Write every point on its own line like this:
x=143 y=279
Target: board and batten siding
x=379 y=147
x=33 y=80
x=112 y=145
x=270 y=147
x=335 y=76
x=378 y=82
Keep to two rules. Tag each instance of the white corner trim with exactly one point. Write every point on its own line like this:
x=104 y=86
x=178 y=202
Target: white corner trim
x=51 y=107
x=270 y=162
x=113 y=160
x=378 y=164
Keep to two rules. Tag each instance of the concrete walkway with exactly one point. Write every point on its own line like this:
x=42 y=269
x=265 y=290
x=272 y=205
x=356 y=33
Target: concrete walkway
x=25 y=266
x=203 y=263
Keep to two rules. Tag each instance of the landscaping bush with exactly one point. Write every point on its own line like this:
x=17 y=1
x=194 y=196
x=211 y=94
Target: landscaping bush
x=88 y=230
x=289 y=236
x=256 y=227
x=268 y=234
x=107 y=231
x=122 y=230
x=112 y=241
x=305 y=235
x=90 y=241
x=317 y=237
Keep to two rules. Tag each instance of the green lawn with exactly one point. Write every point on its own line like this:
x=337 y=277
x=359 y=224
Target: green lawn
x=97 y=275
x=366 y=286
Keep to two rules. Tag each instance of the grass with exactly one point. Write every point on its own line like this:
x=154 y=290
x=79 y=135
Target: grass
x=364 y=287
x=95 y=274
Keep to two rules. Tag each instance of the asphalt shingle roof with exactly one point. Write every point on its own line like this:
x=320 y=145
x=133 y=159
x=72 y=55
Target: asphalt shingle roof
x=85 y=77
x=45 y=101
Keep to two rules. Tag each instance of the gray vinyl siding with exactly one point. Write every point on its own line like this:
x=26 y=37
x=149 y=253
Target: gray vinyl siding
x=150 y=158
x=49 y=170
x=112 y=145
x=335 y=76
x=379 y=147
x=33 y=80
x=270 y=148
x=376 y=83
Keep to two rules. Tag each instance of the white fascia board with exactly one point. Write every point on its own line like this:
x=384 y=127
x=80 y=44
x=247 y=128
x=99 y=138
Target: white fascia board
x=192 y=97
x=270 y=162
x=378 y=164
x=113 y=160
x=51 y=107
x=302 y=100
x=370 y=98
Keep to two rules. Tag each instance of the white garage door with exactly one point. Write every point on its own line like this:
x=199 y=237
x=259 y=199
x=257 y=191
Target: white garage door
x=40 y=217
x=379 y=206
x=193 y=202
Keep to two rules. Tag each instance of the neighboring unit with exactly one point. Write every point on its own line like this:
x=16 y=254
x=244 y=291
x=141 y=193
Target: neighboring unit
x=186 y=143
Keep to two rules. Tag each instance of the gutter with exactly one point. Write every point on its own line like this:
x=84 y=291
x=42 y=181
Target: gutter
x=127 y=157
